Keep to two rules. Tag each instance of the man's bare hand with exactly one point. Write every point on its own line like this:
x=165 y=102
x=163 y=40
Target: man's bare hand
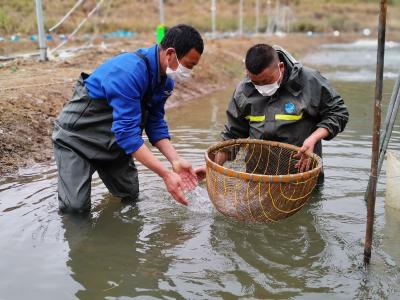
x=184 y=169
x=304 y=163
x=200 y=173
x=174 y=185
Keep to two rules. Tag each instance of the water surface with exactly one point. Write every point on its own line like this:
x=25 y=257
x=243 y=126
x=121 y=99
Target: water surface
x=158 y=249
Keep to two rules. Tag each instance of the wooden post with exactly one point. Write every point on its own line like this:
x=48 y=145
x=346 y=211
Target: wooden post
x=376 y=132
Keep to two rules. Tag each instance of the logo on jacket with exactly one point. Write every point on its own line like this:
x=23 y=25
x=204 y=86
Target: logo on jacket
x=290 y=108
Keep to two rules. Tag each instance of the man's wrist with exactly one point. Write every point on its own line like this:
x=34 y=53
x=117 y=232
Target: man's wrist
x=314 y=139
x=167 y=149
x=176 y=163
x=322 y=133
x=175 y=159
x=163 y=173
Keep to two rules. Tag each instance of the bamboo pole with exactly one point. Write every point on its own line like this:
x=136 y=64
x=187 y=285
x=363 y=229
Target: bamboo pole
x=376 y=132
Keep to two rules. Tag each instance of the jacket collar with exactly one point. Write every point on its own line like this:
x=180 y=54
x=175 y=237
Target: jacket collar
x=292 y=81
x=152 y=54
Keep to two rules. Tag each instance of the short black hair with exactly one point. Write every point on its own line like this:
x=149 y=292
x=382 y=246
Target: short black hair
x=259 y=57
x=183 y=38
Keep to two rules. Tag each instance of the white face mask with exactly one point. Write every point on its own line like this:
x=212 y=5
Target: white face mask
x=180 y=74
x=268 y=89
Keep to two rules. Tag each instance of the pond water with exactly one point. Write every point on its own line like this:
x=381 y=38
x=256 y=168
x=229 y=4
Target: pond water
x=158 y=249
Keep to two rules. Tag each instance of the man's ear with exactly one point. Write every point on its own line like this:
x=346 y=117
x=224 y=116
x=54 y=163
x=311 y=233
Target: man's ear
x=169 y=51
x=281 y=66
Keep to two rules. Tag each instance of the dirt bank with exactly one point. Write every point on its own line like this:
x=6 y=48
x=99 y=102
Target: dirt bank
x=33 y=93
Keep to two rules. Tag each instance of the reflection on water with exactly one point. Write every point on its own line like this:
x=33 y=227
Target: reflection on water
x=116 y=253
x=158 y=249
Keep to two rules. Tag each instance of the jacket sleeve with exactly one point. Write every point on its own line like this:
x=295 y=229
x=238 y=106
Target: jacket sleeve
x=332 y=110
x=156 y=126
x=236 y=126
x=124 y=91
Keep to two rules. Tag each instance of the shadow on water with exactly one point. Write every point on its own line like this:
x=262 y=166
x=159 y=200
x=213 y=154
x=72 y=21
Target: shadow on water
x=158 y=249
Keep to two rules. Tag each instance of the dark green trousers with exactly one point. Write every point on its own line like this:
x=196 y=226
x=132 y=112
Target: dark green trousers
x=83 y=143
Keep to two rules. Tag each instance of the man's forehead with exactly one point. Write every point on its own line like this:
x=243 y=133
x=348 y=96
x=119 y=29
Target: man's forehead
x=191 y=58
x=267 y=73
x=193 y=54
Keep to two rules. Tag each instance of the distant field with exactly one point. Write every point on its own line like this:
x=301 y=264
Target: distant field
x=18 y=16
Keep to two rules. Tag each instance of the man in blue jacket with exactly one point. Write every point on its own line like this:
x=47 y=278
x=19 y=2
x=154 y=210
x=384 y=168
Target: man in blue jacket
x=100 y=129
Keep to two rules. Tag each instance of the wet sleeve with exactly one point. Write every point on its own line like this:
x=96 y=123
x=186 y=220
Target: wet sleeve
x=124 y=91
x=332 y=111
x=236 y=126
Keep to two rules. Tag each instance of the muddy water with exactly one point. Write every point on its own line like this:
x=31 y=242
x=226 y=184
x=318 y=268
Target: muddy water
x=158 y=249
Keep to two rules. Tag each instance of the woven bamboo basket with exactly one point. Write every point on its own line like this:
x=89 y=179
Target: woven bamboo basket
x=258 y=180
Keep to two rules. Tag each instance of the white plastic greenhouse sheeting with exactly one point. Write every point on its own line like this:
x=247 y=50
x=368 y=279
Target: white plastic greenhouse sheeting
x=393 y=180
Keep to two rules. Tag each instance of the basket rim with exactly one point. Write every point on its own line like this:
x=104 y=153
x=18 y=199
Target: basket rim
x=258 y=177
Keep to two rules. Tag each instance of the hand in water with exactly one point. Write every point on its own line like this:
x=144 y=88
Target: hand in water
x=174 y=185
x=184 y=169
x=200 y=173
x=220 y=158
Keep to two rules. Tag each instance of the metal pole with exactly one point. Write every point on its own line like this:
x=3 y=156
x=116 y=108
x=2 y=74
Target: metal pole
x=213 y=17
x=241 y=17
x=376 y=132
x=41 y=34
x=389 y=122
x=387 y=130
x=161 y=8
x=257 y=12
x=283 y=17
x=277 y=21
x=269 y=17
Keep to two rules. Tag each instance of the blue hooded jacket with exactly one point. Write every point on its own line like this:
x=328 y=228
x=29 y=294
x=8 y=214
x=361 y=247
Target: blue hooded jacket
x=123 y=81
